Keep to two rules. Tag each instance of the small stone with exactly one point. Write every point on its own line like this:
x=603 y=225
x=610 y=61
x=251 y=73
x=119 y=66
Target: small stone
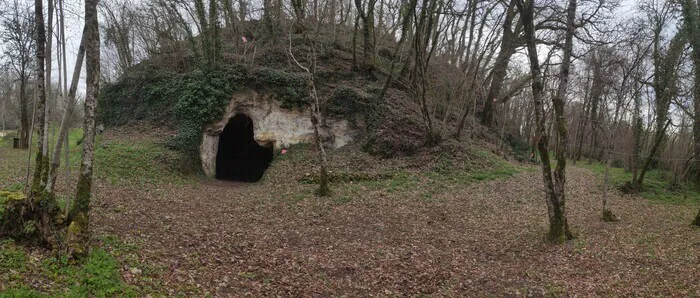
x=135 y=271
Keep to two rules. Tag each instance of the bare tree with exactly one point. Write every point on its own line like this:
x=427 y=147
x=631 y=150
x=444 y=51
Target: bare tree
x=18 y=38
x=554 y=182
x=691 y=25
x=664 y=84
x=316 y=118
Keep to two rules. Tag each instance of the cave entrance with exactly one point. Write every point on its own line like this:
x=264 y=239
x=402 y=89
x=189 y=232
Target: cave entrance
x=240 y=157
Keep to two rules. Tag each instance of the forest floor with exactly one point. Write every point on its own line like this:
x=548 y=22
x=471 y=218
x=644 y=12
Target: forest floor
x=390 y=228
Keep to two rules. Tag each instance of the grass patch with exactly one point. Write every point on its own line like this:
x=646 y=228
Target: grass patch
x=98 y=276
x=443 y=174
x=137 y=163
x=656 y=184
x=118 y=161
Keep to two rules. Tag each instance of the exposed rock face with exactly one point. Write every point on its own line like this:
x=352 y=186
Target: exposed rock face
x=271 y=125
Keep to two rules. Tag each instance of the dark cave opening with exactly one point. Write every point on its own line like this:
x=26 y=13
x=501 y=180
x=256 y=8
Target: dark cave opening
x=240 y=157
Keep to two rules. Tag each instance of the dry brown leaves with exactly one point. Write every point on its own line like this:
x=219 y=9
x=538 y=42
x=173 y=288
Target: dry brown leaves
x=276 y=238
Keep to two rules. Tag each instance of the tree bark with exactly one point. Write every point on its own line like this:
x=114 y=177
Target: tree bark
x=78 y=230
x=554 y=183
x=65 y=120
x=500 y=68
x=692 y=27
x=24 y=129
x=367 y=18
x=665 y=77
x=596 y=93
x=41 y=155
x=316 y=118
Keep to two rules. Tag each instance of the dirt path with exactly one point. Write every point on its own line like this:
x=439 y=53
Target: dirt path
x=483 y=240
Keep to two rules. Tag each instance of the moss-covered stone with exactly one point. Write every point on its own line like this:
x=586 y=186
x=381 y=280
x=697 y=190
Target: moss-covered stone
x=76 y=237
x=31 y=220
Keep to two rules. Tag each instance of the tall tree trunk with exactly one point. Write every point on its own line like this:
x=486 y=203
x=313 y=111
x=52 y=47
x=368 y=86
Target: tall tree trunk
x=583 y=124
x=24 y=129
x=42 y=160
x=696 y=120
x=638 y=127
x=554 y=184
x=500 y=68
x=65 y=120
x=78 y=231
x=47 y=86
x=692 y=26
x=367 y=18
x=316 y=118
x=596 y=93
x=665 y=79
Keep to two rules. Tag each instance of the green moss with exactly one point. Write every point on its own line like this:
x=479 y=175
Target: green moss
x=83 y=193
x=11 y=195
x=21 y=292
x=76 y=239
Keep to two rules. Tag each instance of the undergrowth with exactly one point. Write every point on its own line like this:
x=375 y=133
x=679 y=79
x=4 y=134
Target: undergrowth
x=142 y=164
x=656 y=184
x=424 y=181
x=99 y=276
x=118 y=160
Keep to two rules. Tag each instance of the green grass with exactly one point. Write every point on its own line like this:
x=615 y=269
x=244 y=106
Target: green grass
x=444 y=175
x=97 y=276
x=655 y=186
x=118 y=161
x=136 y=163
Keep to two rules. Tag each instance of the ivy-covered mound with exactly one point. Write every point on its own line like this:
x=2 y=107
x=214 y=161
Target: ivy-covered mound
x=186 y=98
x=187 y=101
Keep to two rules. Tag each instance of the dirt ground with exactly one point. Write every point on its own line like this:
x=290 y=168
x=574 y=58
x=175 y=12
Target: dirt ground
x=231 y=239
x=416 y=232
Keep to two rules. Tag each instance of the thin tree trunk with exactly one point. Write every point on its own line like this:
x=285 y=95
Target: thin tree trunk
x=554 y=184
x=637 y=134
x=65 y=120
x=583 y=123
x=24 y=130
x=47 y=86
x=41 y=155
x=78 y=231
x=323 y=189
x=692 y=25
x=500 y=68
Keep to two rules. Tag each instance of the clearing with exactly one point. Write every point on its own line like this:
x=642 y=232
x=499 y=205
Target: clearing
x=445 y=225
